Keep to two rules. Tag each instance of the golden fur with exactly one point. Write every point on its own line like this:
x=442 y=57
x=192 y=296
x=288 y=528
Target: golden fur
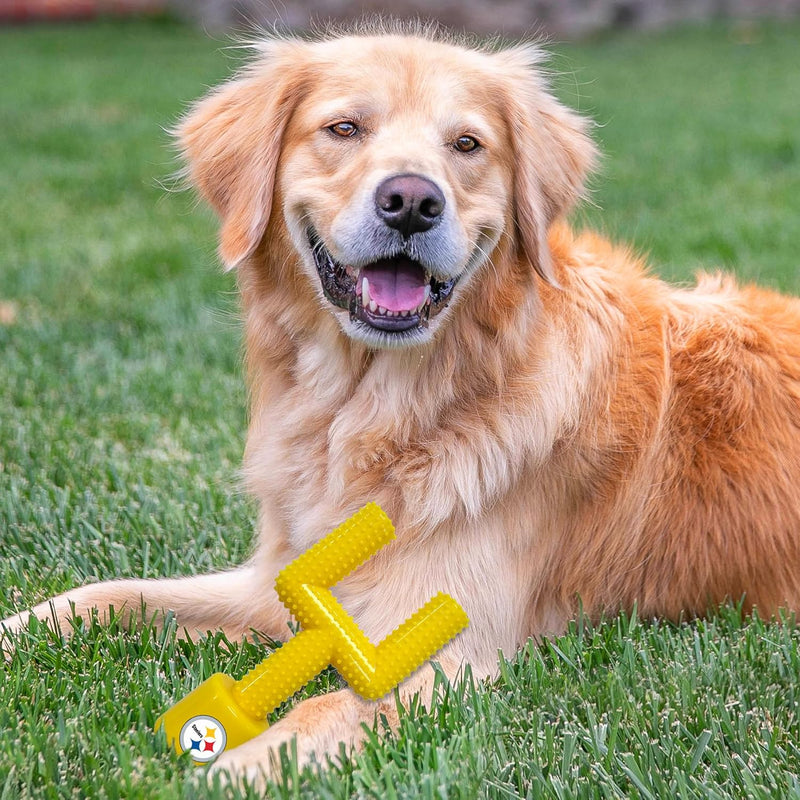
x=568 y=430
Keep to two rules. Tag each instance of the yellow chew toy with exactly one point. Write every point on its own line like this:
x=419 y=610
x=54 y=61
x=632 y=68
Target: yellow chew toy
x=223 y=713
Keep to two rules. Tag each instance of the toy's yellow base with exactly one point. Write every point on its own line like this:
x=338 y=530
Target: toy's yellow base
x=209 y=720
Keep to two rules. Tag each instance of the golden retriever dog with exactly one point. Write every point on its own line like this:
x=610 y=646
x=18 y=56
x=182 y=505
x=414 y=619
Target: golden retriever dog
x=549 y=427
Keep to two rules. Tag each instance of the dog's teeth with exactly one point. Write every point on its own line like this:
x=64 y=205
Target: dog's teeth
x=373 y=306
x=365 y=300
x=404 y=313
x=381 y=310
x=389 y=313
x=427 y=293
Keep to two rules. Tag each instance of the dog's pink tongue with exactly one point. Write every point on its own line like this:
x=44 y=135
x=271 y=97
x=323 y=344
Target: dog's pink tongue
x=397 y=284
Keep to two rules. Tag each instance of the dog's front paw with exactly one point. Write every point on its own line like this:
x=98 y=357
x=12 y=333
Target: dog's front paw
x=260 y=760
x=310 y=733
x=13 y=625
x=10 y=628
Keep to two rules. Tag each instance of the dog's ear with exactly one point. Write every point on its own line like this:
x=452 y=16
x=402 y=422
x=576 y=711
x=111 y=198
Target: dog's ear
x=553 y=154
x=231 y=140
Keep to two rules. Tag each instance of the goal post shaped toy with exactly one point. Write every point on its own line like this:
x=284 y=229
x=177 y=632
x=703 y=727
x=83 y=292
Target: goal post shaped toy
x=223 y=713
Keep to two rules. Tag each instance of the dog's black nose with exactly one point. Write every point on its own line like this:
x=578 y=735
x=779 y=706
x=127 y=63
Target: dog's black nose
x=409 y=203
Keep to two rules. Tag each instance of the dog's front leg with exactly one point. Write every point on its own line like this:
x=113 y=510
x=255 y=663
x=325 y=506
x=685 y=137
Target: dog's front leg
x=235 y=602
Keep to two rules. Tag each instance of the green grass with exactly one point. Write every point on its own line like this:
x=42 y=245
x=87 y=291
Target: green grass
x=122 y=420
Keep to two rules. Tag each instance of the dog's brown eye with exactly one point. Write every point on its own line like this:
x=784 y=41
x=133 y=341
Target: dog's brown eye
x=466 y=144
x=343 y=129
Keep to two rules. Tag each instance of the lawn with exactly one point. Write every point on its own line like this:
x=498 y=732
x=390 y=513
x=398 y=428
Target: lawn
x=122 y=418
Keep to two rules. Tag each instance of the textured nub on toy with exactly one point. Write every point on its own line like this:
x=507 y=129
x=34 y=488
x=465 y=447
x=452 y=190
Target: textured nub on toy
x=231 y=712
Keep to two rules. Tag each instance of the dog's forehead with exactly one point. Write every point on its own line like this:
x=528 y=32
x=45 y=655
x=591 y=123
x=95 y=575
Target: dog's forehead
x=397 y=71
x=394 y=52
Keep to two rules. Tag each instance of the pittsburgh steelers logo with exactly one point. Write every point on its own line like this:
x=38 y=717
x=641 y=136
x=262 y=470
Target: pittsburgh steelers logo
x=203 y=737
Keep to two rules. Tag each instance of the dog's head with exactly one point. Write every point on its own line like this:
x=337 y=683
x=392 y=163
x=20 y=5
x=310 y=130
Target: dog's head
x=396 y=163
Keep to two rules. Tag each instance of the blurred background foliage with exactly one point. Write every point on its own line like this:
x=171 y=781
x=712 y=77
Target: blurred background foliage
x=562 y=18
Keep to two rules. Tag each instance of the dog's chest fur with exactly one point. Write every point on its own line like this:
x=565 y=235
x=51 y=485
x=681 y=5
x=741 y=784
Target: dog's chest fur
x=434 y=440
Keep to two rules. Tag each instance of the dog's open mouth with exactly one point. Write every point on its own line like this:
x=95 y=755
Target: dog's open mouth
x=392 y=294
